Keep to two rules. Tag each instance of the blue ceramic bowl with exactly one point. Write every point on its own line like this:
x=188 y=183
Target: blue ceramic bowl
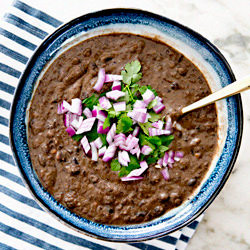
x=199 y=50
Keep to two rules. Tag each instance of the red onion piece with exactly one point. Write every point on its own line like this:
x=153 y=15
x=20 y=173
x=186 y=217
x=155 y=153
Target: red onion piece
x=104 y=102
x=138 y=153
x=121 y=159
x=111 y=133
x=178 y=155
x=139 y=104
x=70 y=130
x=142 y=110
x=65 y=106
x=102 y=151
x=156 y=131
x=76 y=106
x=85 y=144
x=100 y=129
x=125 y=156
x=94 y=111
x=112 y=78
x=76 y=123
x=110 y=152
x=148 y=96
x=165 y=159
x=165 y=174
x=94 y=151
x=160 y=162
x=119 y=139
x=86 y=125
x=135 y=150
x=146 y=150
x=61 y=109
x=136 y=131
x=168 y=125
x=133 y=178
x=87 y=112
x=158 y=108
x=139 y=171
x=100 y=81
x=171 y=157
x=119 y=106
x=137 y=116
x=98 y=142
x=67 y=119
x=158 y=124
x=116 y=85
x=115 y=94
x=99 y=114
x=132 y=143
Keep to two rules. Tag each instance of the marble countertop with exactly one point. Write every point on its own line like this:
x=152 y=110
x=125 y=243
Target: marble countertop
x=226 y=224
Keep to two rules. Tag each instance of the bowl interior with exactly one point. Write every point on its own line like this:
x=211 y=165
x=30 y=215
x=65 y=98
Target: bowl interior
x=200 y=51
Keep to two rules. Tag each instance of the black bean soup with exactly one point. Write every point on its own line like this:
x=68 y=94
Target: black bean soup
x=91 y=189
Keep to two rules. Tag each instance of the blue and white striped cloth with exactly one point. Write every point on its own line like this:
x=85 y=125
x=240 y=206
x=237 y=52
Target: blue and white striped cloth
x=23 y=224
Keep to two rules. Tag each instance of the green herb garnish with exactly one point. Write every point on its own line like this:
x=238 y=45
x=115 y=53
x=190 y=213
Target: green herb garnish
x=124 y=124
x=91 y=101
x=132 y=73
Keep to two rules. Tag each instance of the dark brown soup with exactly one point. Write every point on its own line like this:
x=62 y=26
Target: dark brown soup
x=90 y=189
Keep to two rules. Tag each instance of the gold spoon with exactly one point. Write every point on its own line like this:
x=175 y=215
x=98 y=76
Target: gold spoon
x=231 y=89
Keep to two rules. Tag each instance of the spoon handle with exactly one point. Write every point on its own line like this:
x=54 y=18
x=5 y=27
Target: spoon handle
x=231 y=89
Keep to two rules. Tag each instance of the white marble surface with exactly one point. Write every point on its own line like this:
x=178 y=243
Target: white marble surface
x=226 y=224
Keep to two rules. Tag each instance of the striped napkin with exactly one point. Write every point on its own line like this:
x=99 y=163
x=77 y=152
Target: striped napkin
x=23 y=224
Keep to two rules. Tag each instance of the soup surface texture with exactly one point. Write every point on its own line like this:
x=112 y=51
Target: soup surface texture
x=91 y=189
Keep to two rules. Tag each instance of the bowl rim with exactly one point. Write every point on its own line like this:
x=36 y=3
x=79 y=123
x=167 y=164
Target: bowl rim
x=60 y=30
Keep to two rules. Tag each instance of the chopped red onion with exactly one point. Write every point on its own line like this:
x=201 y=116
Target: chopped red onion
x=76 y=123
x=87 y=112
x=70 y=130
x=138 y=153
x=139 y=171
x=132 y=143
x=119 y=106
x=98 y=142
x=160 y=162
x=112 y=78
x=121 y=159
x=136 y=131
x=142 y=110
x=148 y=96
x=76 y=106
x=137 y=116
x=133 y=178
x=168 y=125
x=119 y=139
x=104 y=102
x=116 y=85
x=100 y=81
x=94 y=151
x=135 y=150
x=156 y=131
x=139 y=104
x=165 y=174
x=171 y=157
x=100 y=129
x=110 y=152
x=125 y=156
x=67 y=119
x=146 y=150
x=85 y=144
x=111 y=133
x=115 y=94
x=158 y=108
x=165 y=159
x=86 y=125
x=178 y=155
x=99 y=114
x=61 y=109
x=148 y=116
x=65 y=106
x=102 y=151
x=94 y=111
x=158 y=124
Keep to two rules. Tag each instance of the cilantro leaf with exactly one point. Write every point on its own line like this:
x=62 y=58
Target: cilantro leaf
x=106 y=122
x=91 y=101
x=132 y=73
x=103 y=138
x=143 y=141
x=92 y=134
x=152 y=159
x=77 y=137
x=124 y=124
x=166 y=139
x=145 y=126
x=154 y=117
x=115 y=165
x=154 y=140
x=163 y=148
x=124 y=171
x=152 y=104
